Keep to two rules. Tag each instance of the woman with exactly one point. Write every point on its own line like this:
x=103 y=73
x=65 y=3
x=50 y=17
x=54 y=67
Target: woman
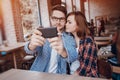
x=77 y=25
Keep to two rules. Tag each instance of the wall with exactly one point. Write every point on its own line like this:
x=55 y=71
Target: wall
x=0 y=24
x=8 y=21
x=29 y=17
x=29 y=14
x=44 y=13
x=0 y=37
x=104 y=7
x=72 y=5
x=17 y=20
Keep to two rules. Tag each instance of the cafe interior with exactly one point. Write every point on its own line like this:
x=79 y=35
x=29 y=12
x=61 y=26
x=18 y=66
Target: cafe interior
x=19 y=18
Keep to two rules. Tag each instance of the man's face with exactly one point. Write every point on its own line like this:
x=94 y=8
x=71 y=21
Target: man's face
x=58 y=19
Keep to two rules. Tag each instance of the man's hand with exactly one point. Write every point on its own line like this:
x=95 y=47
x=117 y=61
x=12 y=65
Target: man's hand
x=36 y=40
x=57 y=44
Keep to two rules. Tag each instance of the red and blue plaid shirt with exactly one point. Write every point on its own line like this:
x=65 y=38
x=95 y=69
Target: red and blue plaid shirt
x=88 y=58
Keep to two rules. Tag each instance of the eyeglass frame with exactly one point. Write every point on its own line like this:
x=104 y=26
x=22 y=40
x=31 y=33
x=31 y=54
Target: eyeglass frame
x=61 y=19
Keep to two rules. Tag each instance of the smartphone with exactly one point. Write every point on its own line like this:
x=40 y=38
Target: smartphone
x=49 y=32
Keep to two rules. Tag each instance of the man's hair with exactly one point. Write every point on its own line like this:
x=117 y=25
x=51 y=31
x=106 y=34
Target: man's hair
x=59 y=8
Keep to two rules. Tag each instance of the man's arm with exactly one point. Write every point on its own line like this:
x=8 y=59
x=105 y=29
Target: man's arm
x=70 y=47
x=36 y=40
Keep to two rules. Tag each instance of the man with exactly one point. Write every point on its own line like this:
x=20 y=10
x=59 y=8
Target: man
x=53 y=53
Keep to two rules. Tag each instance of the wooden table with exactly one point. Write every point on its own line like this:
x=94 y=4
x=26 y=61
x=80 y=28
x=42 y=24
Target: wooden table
x=16 y=74
x=115 y=69
x=12 y=48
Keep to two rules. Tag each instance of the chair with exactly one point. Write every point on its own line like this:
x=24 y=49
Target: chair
x=104 y=69
x=27 y=61
x=3 y=66
x=3 y=62
x=102 y=41
x=108 y=69
x=115 y=68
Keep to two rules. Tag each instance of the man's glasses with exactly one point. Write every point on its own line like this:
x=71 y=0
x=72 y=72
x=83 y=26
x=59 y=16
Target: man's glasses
x=61 y=19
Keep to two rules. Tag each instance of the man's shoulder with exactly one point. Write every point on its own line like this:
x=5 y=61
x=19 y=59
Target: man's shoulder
x=68 y=39
x=65 y=34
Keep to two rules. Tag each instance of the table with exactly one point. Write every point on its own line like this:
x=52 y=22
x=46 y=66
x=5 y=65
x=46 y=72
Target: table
x=115 y=69
x=17 y=74
x=12 y=48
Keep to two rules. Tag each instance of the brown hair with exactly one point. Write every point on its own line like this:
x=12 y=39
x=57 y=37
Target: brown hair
x=59 y=8
x=80 y=19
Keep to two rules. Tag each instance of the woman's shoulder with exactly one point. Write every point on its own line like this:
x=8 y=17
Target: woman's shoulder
x=89 y=39
x=67 y=35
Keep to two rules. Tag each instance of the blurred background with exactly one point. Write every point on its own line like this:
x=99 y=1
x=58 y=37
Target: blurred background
x=18 y=19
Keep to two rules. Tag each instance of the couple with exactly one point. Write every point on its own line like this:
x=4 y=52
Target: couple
x=54 y=53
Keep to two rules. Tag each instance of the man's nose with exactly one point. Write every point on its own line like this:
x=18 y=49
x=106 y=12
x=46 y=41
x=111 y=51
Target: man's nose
x=58 y=20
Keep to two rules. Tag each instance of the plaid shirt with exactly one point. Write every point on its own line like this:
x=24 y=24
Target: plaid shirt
x=87 y=58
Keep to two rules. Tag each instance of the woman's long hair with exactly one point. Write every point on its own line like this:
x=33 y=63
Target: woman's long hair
x=80 y=19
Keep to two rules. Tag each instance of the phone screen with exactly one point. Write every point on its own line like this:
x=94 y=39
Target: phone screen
x=49 y=32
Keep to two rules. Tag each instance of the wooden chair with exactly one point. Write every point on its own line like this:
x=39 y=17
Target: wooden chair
x=2 y=62
x=115 y=68
x=3 y=65
x=104 y=69
x=102 y=41
x=27 y=60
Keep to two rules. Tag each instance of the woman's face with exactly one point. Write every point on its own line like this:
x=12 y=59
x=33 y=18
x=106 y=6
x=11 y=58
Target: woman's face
x=71 y=25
